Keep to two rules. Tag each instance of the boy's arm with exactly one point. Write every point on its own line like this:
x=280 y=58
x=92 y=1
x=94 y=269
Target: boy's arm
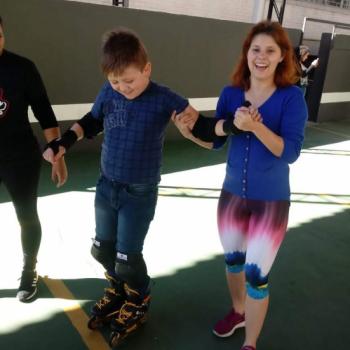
x=205 y=130
x=87 y=126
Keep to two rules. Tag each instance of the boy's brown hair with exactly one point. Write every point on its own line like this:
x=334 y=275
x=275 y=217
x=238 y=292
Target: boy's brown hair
x=122 y=48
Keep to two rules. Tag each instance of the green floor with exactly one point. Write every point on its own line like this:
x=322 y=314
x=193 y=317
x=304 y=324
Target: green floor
x=310 y=283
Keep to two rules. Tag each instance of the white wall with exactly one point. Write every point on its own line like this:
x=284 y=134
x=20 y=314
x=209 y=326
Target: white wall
x=243 y=11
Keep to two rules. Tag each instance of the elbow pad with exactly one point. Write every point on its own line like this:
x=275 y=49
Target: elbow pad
x=90 y=125
x=204 y=128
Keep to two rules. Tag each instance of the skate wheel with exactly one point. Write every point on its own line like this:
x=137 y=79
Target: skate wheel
x=115 y=339
x=95 y=323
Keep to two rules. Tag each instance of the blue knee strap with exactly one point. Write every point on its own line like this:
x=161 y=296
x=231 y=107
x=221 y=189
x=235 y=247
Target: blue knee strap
x=257 y=286
x=259 y=292
x=235 y=268
x=235 y=262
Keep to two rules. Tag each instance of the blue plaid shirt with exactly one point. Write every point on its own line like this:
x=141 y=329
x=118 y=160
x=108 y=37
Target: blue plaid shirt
x=134 y=132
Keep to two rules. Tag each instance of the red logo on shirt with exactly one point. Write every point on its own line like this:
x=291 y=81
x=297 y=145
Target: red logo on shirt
x=4 y=105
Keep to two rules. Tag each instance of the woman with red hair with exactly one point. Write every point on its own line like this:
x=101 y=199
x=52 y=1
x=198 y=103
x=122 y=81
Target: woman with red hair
x=255 y=198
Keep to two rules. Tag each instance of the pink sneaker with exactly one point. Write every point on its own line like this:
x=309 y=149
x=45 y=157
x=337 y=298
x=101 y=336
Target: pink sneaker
x=248 y=347
x=227 y=326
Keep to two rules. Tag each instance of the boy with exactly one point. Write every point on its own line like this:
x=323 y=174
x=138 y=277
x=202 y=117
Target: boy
x=133 y=112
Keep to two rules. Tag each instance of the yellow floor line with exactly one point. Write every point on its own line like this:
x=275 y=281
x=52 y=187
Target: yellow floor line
x=92 y=339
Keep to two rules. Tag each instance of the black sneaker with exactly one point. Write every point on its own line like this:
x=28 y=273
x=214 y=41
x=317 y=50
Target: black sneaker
x=28 y=286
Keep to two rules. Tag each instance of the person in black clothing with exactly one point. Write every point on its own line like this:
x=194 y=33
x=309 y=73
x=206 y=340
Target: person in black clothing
x=302 y=54
x=20 y=155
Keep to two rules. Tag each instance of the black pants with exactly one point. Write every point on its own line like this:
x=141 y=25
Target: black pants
x=21 y=179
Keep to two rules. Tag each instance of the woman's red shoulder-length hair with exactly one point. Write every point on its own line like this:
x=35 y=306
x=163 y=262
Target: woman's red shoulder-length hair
x=286 y=72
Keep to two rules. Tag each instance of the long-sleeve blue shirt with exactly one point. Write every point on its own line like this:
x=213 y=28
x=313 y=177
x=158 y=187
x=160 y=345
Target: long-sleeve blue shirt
x=252 y=170
x=134 y=132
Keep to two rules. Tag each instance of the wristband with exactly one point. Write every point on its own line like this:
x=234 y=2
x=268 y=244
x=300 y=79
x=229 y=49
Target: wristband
x=54 y=145
x=231 y=129
x=68 y=139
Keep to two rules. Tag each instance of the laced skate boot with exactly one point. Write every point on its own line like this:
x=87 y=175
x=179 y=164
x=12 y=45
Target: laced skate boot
x=132 y=314
x=108 y=306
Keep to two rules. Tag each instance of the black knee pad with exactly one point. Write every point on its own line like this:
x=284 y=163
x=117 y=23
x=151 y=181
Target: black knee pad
x=132 y=269
x=104 y=253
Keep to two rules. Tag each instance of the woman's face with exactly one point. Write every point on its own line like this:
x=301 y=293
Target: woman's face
x=2 y=40
x=263 y=57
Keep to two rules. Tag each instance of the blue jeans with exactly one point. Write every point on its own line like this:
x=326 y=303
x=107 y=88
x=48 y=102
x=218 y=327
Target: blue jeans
x=123 y=213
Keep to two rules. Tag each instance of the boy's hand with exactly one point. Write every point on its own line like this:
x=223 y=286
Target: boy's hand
x=50 y=156
x=182 y=123
x=189 y=116
x=56 y=148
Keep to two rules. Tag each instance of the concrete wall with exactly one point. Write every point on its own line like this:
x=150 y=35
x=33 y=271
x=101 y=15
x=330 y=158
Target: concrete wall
x=335 y=103
x=192 y=55
x=243 y=11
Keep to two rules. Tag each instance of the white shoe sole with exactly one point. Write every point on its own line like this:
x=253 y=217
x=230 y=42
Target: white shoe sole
x=228 y=334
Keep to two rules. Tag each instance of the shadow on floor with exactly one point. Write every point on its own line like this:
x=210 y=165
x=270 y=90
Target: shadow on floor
x=309 y=305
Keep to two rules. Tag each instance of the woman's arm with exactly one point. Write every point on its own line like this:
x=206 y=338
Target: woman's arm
x=185 y=127
x=59 y=171
x=244 y=121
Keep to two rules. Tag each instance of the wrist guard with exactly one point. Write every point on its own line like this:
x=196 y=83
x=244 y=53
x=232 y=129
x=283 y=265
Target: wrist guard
x=54 y=145
x=229 y=128
x=204 y=128
x=67 y=141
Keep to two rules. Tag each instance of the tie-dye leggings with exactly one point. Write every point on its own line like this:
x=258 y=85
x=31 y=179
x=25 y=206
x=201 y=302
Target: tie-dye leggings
x=251 y=232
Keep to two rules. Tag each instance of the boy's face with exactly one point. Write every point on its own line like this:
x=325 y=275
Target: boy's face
x=132 y=81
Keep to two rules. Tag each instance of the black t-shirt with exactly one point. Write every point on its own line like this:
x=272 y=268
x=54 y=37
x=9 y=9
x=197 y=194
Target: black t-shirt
x=20 y=87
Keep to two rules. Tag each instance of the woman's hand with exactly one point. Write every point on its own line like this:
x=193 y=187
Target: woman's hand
x=59 y=172
x=246 y=118
x=184 y=123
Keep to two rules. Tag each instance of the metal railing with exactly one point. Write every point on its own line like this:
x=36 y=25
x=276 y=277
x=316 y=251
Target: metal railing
x=120 y=3
x=335 y=25
x=336 y=3
x=279 y=11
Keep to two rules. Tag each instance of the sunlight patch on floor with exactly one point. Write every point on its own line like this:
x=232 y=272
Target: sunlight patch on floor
x=182 y=234
x=184 y=229
x=15 y=315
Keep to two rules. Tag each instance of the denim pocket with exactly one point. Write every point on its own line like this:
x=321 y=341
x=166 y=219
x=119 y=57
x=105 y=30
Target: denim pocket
x=142 y=190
